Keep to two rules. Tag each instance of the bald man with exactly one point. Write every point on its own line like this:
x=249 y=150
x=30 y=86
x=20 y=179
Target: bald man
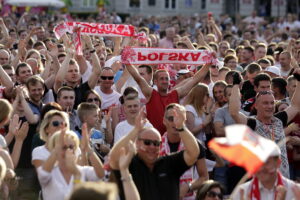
x=156 y=177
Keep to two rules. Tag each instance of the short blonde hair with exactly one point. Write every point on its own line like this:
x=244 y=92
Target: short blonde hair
x=69 y=134
x=45 y=123
x=6 y=110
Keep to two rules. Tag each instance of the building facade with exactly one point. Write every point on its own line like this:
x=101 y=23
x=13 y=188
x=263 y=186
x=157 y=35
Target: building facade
x=272 y=8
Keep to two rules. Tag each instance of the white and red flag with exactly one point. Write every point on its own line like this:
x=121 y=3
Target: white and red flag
x=243 y=147
x=111 y=30
x=142 y=55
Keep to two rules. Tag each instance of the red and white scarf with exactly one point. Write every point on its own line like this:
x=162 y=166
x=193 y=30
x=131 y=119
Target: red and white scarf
x=255 y=193
x=142 y=55
x=96 y=29
x=187 y=177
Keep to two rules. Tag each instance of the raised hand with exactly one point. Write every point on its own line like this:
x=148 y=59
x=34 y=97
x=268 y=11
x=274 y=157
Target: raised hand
x=140 y=119
x=22 y=132
x=70 y=161
x=85 y=140
x=14 y=124
x=126 y=156
x=179 y=116
x=53 y=50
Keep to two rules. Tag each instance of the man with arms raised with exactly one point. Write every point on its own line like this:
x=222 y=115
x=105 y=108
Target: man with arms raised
x=156 y=177
x=158 y=100
x=266 y=123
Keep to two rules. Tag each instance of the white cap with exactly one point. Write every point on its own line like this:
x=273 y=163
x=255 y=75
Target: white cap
x=276 y=151
x=273 y=69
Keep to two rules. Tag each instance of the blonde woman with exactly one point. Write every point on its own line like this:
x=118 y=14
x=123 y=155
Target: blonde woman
x=60 y=172
x=198 y=105
x=53 y=121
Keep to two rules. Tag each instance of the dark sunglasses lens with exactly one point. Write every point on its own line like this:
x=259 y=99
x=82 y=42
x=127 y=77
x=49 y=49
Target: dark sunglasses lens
x=156 y=143
x=170 y=119
x=107 y=78
x=55 y=123
x=147 y=142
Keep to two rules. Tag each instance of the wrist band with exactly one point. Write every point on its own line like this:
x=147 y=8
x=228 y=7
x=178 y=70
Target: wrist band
x=76 y=181
x=180 y=129
x=128 y=178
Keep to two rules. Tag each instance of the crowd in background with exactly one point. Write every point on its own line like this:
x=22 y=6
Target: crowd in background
x=69 y=120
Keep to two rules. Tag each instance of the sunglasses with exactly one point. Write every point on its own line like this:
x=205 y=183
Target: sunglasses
x=213 y=194
x=149 y=142
x=107 y=77
x=264 y=93
x=170 y=118
x=92 y=99
x=57 y=123
x=71 y=146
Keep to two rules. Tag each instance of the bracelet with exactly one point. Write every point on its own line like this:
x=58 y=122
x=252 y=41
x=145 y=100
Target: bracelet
x=125 y=179
x=180 y=129
x=93 y=51
x=76 y=181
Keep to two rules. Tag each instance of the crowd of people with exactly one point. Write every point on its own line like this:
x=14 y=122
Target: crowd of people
x=91 y=127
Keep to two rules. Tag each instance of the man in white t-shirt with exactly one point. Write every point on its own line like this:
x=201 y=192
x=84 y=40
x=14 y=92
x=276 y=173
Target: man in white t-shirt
x=132 y=106
x=109 y=96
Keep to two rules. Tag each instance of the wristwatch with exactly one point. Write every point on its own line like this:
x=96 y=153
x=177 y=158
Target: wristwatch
x=190 y=187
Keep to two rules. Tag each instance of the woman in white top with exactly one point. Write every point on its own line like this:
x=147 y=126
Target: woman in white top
x=53 y=121
x=60 y=172
x=198 y=116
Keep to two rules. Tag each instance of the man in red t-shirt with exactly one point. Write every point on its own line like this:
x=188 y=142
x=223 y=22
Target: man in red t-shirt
x=158 y=99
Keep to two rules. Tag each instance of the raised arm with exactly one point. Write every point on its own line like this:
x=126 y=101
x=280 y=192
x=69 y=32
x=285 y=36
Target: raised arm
x=60 y=76
x=91 y=155
x=130 y=190
x=29 y=115
x=185 y=89
x=192 y=150
x=294 y=109
x=234 y=104
x=145 y=87
x=6 y=81
x=115 y=152
x=20 y=136
x=93 y=79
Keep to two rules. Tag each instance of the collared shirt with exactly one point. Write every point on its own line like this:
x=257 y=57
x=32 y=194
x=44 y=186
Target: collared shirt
x=266 y=194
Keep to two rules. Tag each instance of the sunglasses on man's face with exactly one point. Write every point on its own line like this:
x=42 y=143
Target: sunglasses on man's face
x=147 y=142
x=57 y=123
x=107 y=77
x=214 y=194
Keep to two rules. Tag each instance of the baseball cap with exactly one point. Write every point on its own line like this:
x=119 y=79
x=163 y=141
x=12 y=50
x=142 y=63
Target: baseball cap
x=273 y=69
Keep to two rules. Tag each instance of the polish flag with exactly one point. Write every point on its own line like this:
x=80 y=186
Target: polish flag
x=243 y=147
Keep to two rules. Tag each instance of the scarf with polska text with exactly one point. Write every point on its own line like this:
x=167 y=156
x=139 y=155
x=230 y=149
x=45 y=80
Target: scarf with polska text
x=112 y=30
x=150 y=56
